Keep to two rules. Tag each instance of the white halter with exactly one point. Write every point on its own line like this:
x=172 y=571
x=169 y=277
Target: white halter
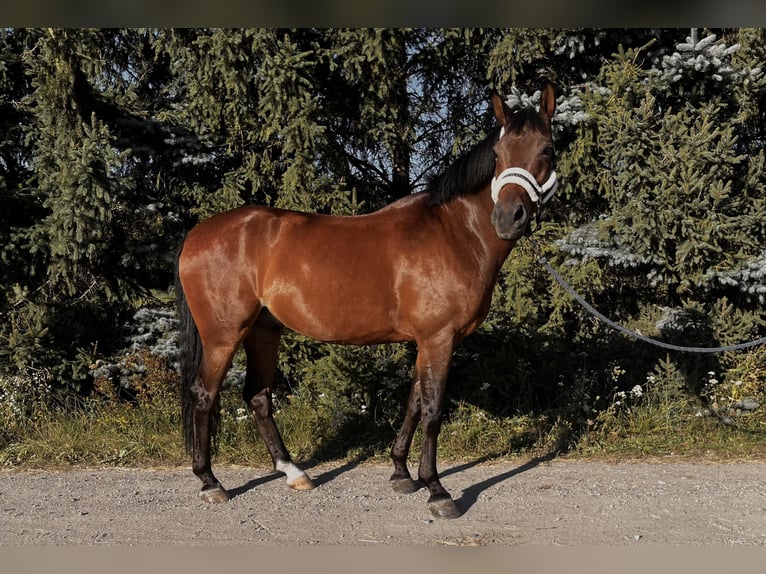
x=537 y=193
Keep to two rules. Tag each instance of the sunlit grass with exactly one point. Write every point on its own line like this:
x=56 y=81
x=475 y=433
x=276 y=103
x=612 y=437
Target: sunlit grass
x=660 y=422
x=656 y=420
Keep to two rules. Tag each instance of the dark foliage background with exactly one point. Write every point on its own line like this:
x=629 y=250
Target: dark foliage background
x=114 y=142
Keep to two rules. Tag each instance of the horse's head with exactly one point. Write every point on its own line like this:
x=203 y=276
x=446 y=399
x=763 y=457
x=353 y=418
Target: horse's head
x=524 y=177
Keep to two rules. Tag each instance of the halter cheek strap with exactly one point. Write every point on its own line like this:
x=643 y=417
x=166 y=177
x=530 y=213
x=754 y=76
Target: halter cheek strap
x=539 y=194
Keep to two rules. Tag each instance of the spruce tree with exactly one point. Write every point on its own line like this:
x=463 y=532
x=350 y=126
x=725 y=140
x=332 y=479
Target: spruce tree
x=303 y=118
x=671 y=167
x=86 y=239
x=684 y=188
x=119 y=140
x=115 y=142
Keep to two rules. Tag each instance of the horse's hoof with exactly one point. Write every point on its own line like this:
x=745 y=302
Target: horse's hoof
x=302 y=482
x=443 y=508
x=404 y=485
x=214 y=494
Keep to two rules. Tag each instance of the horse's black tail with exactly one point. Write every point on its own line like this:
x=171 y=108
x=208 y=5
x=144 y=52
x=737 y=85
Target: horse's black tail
x=190 y=359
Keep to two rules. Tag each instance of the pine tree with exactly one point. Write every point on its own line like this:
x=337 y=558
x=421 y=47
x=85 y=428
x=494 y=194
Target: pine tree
x=118 y=140
x=669 y=167
x=18 y=207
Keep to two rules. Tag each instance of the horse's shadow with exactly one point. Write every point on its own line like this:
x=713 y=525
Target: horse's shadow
x=251 y=484
x=318 y=480
x=467 y=499
x=334 y=473
x=471 y=494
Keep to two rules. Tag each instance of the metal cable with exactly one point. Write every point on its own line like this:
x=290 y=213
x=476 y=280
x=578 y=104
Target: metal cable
x=630 y=332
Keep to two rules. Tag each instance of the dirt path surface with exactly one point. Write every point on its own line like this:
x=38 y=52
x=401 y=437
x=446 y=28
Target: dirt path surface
x=570 y=503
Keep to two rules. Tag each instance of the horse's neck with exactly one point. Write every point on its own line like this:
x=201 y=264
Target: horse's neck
x=475 y=213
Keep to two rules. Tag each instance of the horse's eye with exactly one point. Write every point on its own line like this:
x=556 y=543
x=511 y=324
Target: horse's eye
x=548 y=151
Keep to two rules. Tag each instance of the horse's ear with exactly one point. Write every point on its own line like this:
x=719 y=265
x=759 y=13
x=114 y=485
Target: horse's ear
x=547 y=101
x=499 y=107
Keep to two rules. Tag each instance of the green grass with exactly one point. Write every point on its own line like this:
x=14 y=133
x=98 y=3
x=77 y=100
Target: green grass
x=669 y=431
x=97 y=435
x=104 y=430
x=147 y=435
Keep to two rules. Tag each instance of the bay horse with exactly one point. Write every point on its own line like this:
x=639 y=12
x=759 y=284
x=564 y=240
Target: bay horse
x=421 y=269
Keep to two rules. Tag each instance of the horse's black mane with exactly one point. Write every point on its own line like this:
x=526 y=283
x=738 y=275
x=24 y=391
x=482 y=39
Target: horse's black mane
x=472 y=171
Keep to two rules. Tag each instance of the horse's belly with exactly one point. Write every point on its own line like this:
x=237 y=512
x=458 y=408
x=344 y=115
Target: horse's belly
x=338 y=317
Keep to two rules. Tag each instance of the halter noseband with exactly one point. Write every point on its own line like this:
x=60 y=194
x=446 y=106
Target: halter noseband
x=539 y=194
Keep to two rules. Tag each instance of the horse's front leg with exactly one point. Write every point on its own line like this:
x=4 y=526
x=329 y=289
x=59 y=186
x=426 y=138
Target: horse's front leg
x=401 y=481
x=433 y=363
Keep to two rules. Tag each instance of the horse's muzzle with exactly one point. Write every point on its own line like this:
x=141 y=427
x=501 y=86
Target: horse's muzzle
x=510 y=218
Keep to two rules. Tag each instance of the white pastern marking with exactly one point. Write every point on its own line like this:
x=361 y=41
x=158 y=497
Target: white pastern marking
x=292 y=471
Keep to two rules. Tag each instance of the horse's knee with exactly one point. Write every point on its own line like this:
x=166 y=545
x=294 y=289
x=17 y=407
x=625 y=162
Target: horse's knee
x=432 y=421
x=260 y=402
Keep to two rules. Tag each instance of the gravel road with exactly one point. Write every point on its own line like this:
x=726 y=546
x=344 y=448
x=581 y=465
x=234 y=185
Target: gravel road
x=524 y=502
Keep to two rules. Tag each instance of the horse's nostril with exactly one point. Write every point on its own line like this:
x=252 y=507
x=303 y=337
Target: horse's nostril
x=520 y=214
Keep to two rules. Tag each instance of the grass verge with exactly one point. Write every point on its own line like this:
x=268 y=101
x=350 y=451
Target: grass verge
x=145 y=429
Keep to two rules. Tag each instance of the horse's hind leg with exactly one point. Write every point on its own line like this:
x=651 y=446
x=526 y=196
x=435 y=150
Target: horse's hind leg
x=262 y=347
x=215 y=363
